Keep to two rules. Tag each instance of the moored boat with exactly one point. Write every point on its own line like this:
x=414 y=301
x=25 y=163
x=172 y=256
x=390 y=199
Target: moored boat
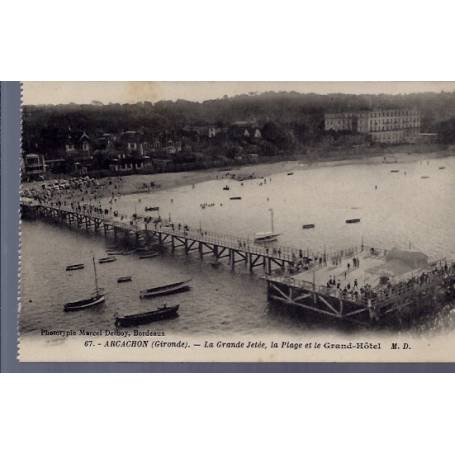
x=171 y=288
x=353 y=220
x=71 y=267
x=235 y=198
x=84 y=303
x=266 y=237
x=425 y=177
x=226 y=188
x=395 y=171
x=308 y=226
x=149 y=255
x=161 y=313
x=124 y=279
x=271 y=236
x=97 y=298
x=107 y=259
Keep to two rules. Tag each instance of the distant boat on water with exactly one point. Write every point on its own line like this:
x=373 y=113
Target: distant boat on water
x=271 y=236
x=395 y=170
x=107 y=259
x=353 y=220
x=441 y=167
x=161 y=313
x=425 y=177
x=94 y=300
x=235 y=198
x=149 y=255
x=290 y=173
x=166 y=289
x=72 y=267
x=308 y=226
x=226 y=188
x=124 y=279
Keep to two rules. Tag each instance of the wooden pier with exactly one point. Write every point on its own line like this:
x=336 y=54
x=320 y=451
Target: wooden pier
x=284 y=286
x=235 y=250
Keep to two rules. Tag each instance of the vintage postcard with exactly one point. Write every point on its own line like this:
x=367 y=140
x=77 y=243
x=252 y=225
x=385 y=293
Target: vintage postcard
x=237 y=222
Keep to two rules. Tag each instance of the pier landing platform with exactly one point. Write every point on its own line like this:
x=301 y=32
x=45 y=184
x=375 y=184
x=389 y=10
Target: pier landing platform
x=368 y=268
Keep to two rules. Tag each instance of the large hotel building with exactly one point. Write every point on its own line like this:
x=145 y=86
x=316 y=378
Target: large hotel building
x=392 y=126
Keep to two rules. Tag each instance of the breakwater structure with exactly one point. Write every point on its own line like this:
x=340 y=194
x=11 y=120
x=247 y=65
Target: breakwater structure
x=362 y=285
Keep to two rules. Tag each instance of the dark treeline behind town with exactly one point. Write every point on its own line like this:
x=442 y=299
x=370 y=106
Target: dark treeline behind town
x=287 y=121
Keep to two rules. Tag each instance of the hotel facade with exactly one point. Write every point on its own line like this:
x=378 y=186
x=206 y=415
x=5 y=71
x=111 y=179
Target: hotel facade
x=391 y=126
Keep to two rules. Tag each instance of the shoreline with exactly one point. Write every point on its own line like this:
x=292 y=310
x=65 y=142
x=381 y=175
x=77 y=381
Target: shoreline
x=134 y=183
x=131 y=184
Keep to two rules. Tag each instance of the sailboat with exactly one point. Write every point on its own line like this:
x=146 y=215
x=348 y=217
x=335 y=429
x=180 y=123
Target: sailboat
x=95 y=299
x=267 y=236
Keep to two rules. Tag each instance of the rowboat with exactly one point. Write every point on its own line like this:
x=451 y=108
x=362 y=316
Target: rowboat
x=441 y=167
x=266 y=237
x=151 y=209
x=148 y=255
x=124 y=279
x=425 y=177
x=82 y=304
x=395 y=170
x=308 y=226
x=353 y=220
x=107 y=259
x=235 y=198
x=69 y=268
x=226 y=188
x=166 y=289
x=161 y=313
x=290 y=173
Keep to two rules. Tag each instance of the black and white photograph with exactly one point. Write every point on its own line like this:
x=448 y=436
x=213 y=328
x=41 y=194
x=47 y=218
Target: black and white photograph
x=237 y=221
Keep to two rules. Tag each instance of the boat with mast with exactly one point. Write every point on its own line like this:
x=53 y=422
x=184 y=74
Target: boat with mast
x=97 y=298
x=271 y=236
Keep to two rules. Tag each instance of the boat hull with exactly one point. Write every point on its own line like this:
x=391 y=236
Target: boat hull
x=83 y=304
x=161 y=292
x=146 y=318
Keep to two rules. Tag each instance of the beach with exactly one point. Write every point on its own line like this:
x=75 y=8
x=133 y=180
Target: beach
x=140 y=183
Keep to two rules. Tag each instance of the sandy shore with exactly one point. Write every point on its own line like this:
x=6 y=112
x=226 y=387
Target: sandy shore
x=135 y=183
x=140 y=183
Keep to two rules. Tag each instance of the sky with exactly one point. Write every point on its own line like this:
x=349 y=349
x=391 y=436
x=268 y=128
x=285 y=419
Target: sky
x=132 y=92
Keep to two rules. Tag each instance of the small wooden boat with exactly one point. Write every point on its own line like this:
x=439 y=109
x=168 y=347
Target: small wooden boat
x=441 y=167
x=151 y=209
x=71 y=267
x=161 y=313
x=166 y=289
x=353 y=220
x=290 y=173
x=308 y=226
x=226 y=188
x=425 y=177
x=107 y=259
x=113 y=253
x=266 y=237
x=152 y=254
x=124 y=279
x=235 y=198
x=94 y=300
x=395 y=170
x=84 y=303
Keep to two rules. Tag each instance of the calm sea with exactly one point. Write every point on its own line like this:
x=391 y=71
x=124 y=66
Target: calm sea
x=396 y=209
